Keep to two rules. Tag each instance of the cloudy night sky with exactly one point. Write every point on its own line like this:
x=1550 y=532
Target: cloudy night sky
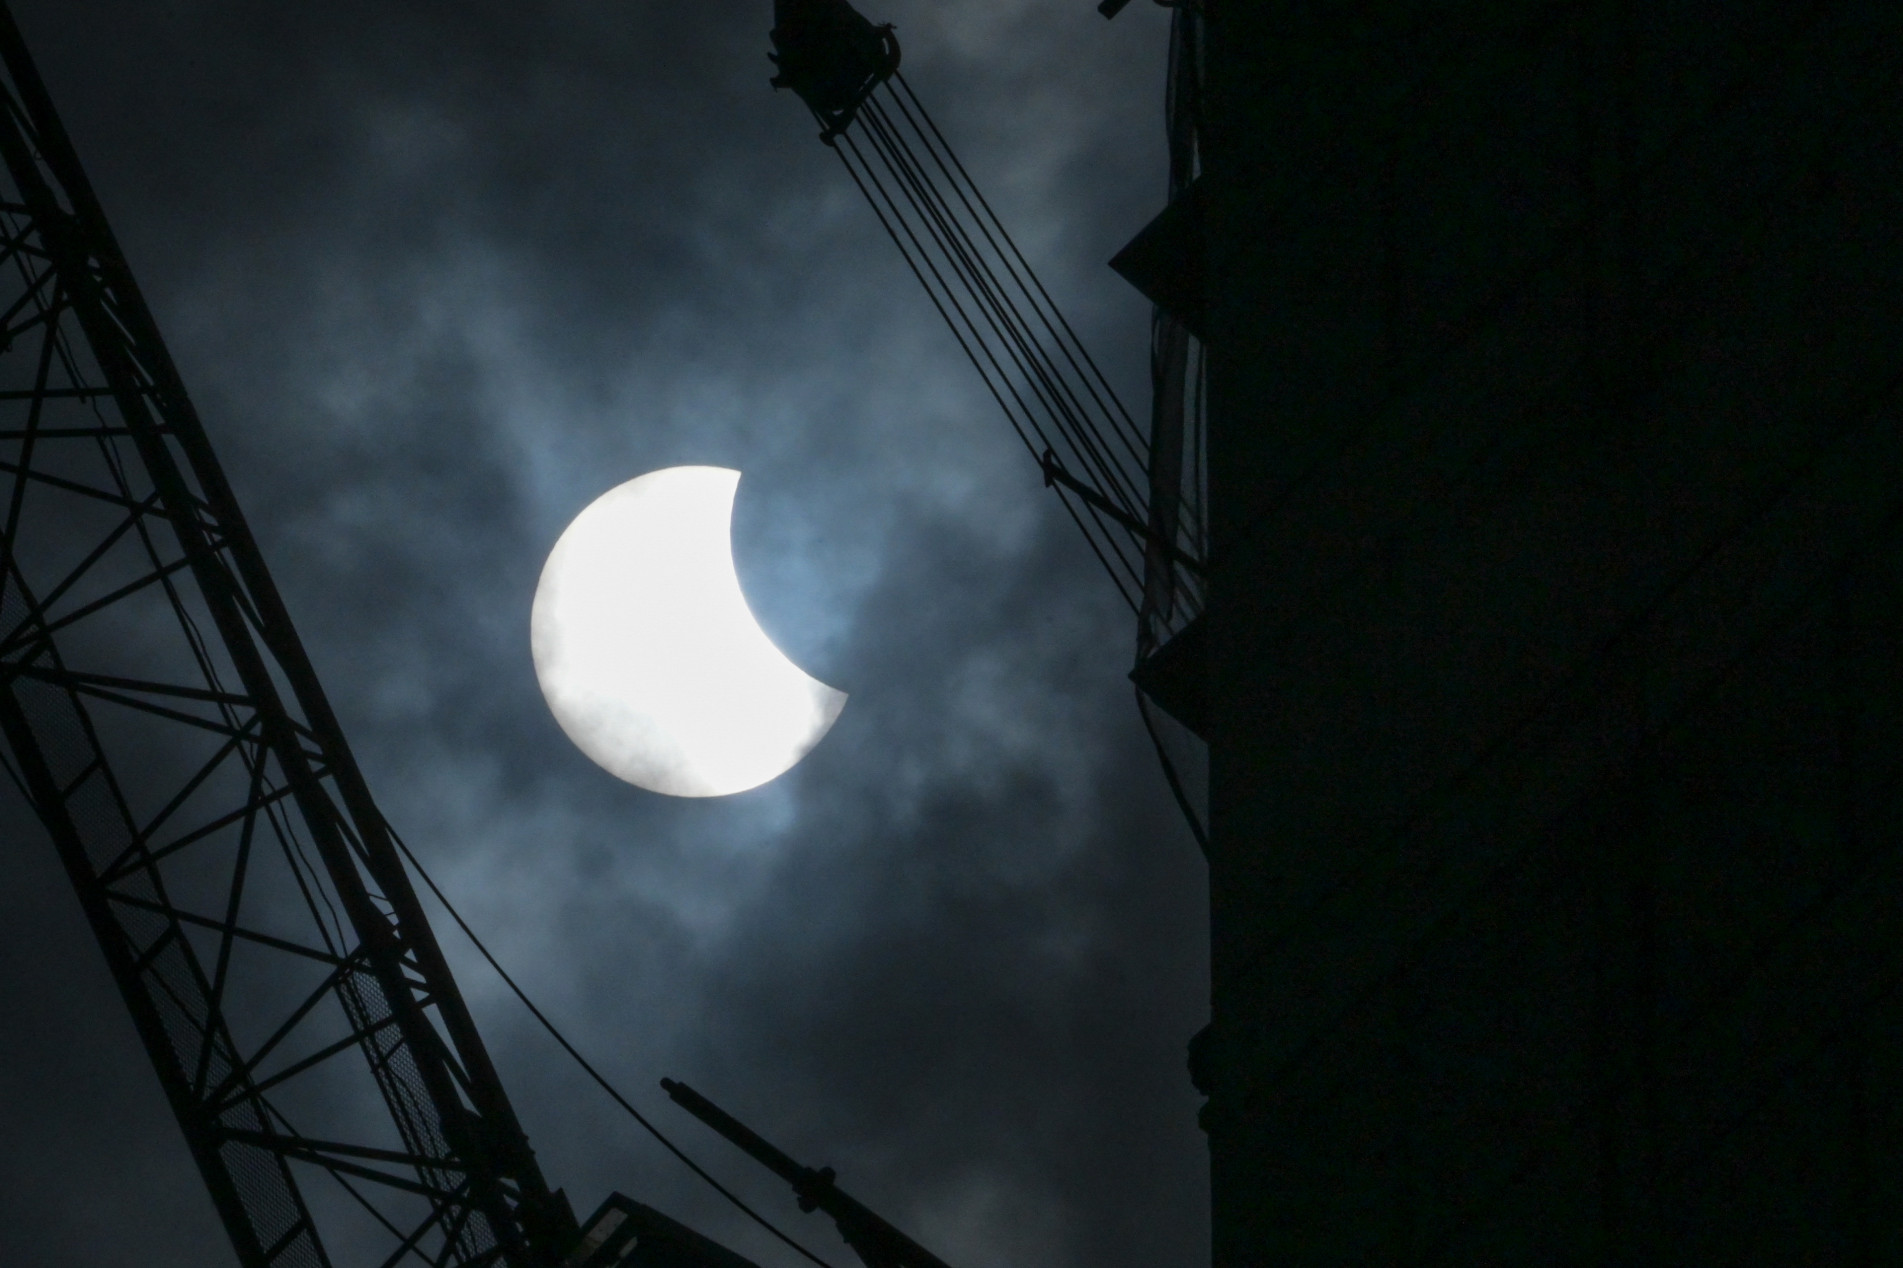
x=437 y=276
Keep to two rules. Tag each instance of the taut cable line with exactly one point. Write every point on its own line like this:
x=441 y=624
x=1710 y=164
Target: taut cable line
x=1053 y=393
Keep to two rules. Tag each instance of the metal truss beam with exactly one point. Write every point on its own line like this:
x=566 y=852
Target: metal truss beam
x=160 y=715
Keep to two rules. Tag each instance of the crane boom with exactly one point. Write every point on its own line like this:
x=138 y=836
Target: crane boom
x=162 y=718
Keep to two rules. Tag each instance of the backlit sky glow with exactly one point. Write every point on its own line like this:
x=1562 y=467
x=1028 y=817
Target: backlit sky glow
x=439 y=272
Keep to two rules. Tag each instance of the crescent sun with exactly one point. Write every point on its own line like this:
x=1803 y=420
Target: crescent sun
x=648 y=655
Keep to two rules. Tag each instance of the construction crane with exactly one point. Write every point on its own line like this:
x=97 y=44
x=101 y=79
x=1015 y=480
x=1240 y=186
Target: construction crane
x=1137 y=495
x=163 y=720
x=161 y=717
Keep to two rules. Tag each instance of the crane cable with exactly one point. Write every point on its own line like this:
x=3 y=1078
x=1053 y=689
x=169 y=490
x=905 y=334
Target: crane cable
x=600 y=1080
x=1053 y=393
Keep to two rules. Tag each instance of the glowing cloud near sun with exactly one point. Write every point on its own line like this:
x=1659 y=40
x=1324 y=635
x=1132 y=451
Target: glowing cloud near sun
x=648 y=655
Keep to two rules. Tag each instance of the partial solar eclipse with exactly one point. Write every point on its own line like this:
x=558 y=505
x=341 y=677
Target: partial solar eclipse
x=648 y=655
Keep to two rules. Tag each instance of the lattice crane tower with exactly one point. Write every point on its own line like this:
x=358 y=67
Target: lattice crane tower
x=165 y=723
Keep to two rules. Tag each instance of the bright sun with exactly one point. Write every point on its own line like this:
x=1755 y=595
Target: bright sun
x=647 y=652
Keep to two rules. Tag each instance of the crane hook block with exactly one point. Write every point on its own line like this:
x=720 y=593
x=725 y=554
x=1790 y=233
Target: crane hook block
x=832 y=56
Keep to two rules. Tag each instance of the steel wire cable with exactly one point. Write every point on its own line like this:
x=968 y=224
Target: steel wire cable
x=1052 y=316
x=1054 y=392
x=587 y=1068
x=960 y=256
x=981 y=289
x=860 y=180
x=941 y=296
x=1057 y=392
x=961 y=259
x=1116 y=541
x=1047 y=309
x=860 y=177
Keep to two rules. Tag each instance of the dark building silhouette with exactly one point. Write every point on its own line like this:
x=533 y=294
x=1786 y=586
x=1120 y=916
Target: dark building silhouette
x=1555 y=632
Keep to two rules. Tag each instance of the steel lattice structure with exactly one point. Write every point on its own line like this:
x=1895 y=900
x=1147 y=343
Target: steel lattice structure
x=165 y=723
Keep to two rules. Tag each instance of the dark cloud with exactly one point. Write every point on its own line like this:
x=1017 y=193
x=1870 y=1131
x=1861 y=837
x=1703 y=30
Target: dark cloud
x=438 y=274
